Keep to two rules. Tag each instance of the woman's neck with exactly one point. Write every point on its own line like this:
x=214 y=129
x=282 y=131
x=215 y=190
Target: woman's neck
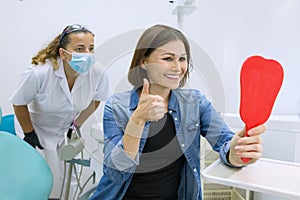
x=71 y=75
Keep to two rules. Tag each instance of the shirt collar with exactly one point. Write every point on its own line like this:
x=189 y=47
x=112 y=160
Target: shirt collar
x=173 y=102
x=60 y=71
x=134 y=98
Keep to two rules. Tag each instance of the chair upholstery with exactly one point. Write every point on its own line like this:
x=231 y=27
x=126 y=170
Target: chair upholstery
x=24 y=173
x=8 y=124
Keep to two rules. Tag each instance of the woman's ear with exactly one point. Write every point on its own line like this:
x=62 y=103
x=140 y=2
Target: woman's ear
x=62 y=53
x=143 y=64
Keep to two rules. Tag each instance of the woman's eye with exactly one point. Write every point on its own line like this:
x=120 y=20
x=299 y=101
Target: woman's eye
x=182 y=59
x=168 y=59
x=79 y=49
x=91 y=49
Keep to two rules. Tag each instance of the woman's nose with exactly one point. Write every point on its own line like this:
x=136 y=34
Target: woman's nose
x=87 y=51
x=175 y=65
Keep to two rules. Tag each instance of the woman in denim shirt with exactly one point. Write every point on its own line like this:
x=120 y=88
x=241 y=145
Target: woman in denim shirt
x=152 y=133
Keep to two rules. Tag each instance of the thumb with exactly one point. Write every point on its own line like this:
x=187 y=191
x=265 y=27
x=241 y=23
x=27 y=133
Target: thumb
x=145 y=87
x=242 y=133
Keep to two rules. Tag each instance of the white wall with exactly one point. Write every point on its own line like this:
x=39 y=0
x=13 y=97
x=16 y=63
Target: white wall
x=228 y=31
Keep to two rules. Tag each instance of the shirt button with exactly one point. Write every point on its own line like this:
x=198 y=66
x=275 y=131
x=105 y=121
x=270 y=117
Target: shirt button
x=175 y=118
x=195 y=170
x=197 y=125
x=182 y=145
x=170 y=111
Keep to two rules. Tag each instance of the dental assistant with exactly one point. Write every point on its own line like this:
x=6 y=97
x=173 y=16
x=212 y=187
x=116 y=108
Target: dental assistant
x=63 y=86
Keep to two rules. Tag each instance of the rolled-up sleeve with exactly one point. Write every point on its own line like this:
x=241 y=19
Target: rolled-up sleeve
x=214 y=129
x=117 y=164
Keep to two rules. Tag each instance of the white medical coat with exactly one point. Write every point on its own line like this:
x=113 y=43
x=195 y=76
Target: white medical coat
x=52 y=106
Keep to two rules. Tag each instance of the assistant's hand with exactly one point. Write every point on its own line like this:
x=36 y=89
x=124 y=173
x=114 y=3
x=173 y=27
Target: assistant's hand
x=246 y=147
x=71 y=128
x=150 y=107
x=32 y=139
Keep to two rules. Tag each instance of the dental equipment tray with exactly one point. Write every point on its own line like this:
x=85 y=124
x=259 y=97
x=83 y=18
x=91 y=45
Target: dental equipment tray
x=266 y=175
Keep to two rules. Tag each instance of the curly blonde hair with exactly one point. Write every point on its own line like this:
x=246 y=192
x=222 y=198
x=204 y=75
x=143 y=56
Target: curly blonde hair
x=50 y=52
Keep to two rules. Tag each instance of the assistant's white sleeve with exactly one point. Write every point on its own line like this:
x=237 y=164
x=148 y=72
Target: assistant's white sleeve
x=27 y=88
x=102 y=90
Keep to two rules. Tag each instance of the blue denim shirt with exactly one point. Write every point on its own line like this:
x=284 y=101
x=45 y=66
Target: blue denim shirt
x=193 y=115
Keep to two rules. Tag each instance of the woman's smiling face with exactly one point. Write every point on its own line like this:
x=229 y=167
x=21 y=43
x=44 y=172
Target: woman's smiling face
x=167 y=64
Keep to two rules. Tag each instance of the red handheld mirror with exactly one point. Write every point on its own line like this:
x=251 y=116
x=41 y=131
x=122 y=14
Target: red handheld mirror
x=260 y=82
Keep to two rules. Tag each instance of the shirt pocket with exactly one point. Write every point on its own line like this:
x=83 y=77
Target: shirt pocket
x=193 y=135
x=51 y=103
x=41 y=102
x=82 y=98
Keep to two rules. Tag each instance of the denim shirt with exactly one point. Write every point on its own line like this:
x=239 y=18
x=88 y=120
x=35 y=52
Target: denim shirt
x=193 y=115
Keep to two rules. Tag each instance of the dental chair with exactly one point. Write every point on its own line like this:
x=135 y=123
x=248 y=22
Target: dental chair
x=24 y=172
x=8 y=124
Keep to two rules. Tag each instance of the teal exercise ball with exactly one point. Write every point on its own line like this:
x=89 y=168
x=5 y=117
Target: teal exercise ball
x=24 y=173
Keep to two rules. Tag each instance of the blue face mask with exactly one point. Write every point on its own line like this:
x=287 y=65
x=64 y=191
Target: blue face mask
x=81 y=62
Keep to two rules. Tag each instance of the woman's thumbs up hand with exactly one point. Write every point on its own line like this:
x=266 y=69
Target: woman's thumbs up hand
x=150 y=107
